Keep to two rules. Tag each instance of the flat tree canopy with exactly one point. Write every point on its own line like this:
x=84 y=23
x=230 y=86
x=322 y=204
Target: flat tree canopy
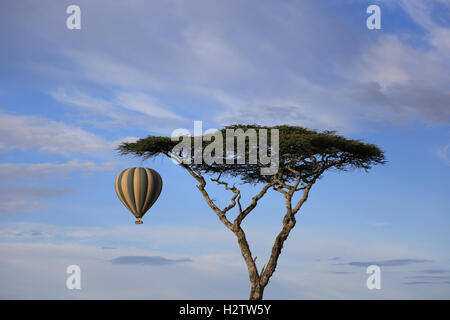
x=301 y=151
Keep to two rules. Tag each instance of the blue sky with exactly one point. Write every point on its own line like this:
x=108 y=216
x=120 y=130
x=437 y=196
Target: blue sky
x=138 y=68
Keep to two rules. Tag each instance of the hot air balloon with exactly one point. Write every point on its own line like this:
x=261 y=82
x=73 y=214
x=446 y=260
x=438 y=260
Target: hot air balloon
x=138 y=189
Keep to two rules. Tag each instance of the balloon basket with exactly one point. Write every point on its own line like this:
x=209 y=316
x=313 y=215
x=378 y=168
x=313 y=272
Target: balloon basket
x=138 y=222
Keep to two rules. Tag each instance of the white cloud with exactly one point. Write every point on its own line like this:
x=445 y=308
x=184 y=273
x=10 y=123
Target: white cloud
x=16 y=200
x=390 y=81
x=33 y=132
x=444 y=153
x=125 y=108
x=15 y=171
x=421 y=11
x=208 y=56
x=305 y=270
x=105 y=69
x=126 y=139
x=42 y=270
x=145 y=104
x=390 y=61
x=270 y=68
x=49 y=136
x=85 y=102
x=273 y=71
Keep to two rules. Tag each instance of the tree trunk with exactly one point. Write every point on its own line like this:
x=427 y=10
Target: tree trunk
x=256 y=293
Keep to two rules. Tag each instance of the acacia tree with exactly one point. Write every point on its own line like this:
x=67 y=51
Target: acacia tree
x=304 y=155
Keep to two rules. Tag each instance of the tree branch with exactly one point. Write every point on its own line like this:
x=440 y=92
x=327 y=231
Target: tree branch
x=236 y=192
x=288 y=224
x=242 y=214
x=247 y=255
x=220 y=213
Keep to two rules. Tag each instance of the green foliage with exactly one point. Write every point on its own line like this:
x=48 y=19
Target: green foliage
x=302 y=152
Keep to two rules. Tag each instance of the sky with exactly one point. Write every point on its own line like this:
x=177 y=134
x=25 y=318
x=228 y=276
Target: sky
x=68 y=98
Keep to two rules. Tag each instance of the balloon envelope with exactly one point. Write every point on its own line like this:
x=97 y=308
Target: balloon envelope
x=138 y=189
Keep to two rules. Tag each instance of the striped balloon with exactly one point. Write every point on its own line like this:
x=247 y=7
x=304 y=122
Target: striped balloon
x=138 y=189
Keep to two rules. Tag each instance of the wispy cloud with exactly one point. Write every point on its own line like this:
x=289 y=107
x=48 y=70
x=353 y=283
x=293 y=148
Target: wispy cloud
x=275 y=71
x=417 y=282
x=428 y=277
x=335 y=258
x=147 y=260
x=118 y=107
x=444 y=153
x=26 y=133
x=40 y=266
x=386 y=263
x=15 y=200
x=434 y=271
x=342 y=272
x=85 y=102
x=162 y=248
x=30 y=171
x=104 y=69
x=145 y=104
x=34 y=132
